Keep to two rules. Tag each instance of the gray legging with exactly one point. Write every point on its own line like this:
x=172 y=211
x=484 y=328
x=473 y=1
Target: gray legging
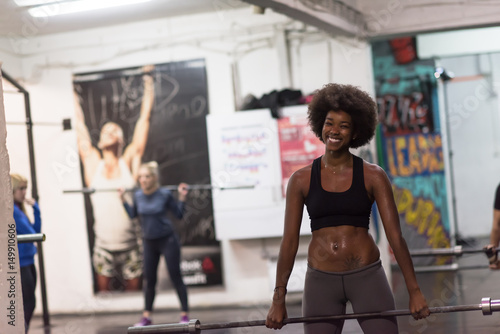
x=326 y=293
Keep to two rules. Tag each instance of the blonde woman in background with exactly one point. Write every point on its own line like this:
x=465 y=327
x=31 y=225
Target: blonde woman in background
x=27 y=251
x=151 y=204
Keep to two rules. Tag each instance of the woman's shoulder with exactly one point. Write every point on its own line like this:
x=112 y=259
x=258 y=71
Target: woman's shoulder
x=373 y=173
x=164 y=192
x=17 y=210
x=19 y=214
x=301 y=177
x=303 y=171
x=372 y=167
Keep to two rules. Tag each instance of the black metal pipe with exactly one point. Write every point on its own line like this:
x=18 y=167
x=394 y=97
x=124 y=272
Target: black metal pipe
x=31 y=149
x=29 y=131
x=13 y=82
x=43 y=286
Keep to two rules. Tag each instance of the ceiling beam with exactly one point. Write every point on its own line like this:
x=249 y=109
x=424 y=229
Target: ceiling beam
x=382 y=19
x=410 y=20
x=334 y=17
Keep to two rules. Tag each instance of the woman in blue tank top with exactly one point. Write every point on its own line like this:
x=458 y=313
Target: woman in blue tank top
x=338 y=190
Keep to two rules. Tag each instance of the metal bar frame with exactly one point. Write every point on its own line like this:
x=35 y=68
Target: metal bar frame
x=29 y=130
x=169 y=187
x=39 y=238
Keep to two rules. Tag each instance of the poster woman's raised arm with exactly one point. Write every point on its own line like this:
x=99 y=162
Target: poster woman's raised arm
x=134 y=151
x=89 y=155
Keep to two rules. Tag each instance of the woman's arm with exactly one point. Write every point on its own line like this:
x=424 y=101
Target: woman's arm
x=178 y=206
x=495 y=233
x=23 y=224
x=89 y=155
x=131 y=209
x=37 y=226
x=495 y=229
x=288 y=250
x=382 y=192
x=134 y=151
x=494 y=240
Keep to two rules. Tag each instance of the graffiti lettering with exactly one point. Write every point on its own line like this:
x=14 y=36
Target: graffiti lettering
x=428 y=186
x=404 y=114
x=424 y=217
x=420 y=154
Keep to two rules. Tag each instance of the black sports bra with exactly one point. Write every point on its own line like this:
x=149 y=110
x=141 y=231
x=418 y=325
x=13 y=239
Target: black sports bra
x=351 y=207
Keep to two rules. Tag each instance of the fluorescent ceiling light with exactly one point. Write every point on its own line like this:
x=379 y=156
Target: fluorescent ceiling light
x=24 y=3
x=45 y=8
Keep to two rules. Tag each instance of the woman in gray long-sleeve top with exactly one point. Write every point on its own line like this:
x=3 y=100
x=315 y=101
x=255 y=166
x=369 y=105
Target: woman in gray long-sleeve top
x=151 y=205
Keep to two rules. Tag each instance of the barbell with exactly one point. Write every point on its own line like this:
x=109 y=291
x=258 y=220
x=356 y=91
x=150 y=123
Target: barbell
x=487 y=306
x=66 y=123
x=24 y=238
x=169 y=187
x=454 y=251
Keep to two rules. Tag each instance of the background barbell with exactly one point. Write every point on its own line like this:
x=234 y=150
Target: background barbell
x=169 y=187
x=487 y=306
x=23 y=238
x=455 y=251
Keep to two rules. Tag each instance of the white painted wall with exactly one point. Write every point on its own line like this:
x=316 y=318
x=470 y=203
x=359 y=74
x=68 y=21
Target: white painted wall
x=474 y=128
x=458 y=43
x=222 y=38
x=10 y=59
x=473 y=114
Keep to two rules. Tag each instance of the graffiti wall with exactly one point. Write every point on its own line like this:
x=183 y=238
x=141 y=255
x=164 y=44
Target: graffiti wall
x=410 y=148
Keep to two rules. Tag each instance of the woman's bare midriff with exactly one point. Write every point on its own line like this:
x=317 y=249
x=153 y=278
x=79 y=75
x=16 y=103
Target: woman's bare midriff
x=342 y=248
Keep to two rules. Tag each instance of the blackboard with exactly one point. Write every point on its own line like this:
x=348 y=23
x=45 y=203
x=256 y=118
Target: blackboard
x=177 y=138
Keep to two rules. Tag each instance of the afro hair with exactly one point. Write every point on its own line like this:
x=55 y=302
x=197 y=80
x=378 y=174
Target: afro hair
x=350 y=99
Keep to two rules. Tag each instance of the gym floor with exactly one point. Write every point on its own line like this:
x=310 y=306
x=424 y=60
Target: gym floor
x=457 y=287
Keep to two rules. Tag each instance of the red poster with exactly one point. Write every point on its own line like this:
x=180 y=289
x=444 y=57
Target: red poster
x=299 y=146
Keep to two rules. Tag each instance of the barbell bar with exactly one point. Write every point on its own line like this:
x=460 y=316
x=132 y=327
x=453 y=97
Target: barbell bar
x=454 y=251
x=487 y=306
x=22 y=238
x=169 y=187
x=66 y=123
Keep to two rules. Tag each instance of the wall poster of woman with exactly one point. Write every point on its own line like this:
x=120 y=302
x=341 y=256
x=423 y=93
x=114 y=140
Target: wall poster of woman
x=128 y=116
